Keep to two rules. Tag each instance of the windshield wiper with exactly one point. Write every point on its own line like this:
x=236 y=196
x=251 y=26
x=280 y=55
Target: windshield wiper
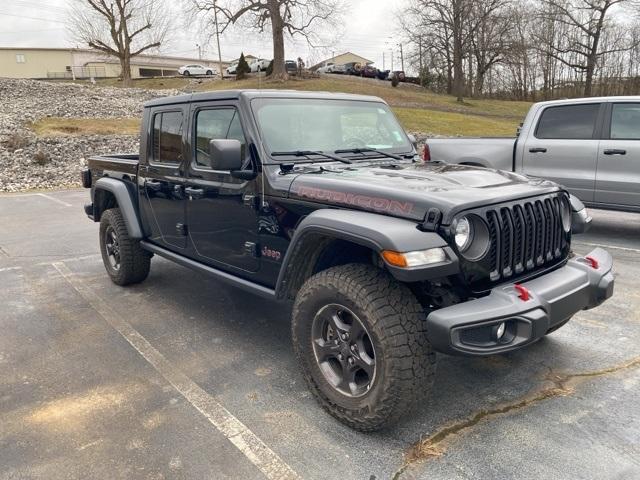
x=307 y=153
x=372 y=150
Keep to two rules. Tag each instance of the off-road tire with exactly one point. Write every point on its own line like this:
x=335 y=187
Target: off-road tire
x=395 y=321
x=134 y=261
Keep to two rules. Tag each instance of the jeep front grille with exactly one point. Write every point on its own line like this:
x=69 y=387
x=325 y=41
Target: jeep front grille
x=525 y=236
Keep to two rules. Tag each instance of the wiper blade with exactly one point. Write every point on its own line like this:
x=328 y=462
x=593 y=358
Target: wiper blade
x=371 y=150
x=307 y=153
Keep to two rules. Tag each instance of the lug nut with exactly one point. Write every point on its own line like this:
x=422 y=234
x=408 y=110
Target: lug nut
x=345 y=336
x=354 y=348
x=340 y=357
x=351 y=361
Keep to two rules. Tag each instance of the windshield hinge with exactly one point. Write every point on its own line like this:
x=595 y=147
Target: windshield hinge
x=432 y=220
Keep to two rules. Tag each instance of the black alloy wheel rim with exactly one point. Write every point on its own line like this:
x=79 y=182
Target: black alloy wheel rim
x=343 y=350
x=112 y=247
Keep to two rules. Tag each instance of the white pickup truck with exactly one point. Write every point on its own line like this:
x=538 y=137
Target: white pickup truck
x=589 y=145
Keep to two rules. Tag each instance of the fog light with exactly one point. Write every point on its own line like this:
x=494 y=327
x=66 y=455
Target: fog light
x=498 y=331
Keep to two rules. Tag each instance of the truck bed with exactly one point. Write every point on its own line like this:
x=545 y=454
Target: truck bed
x=122 y=164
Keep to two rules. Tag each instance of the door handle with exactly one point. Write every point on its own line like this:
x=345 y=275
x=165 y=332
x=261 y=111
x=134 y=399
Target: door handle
x=151 y=185
x=538 y=150
x=615 y=151
x=194 y=192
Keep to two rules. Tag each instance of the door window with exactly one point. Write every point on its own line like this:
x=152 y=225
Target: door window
x=216 y=124
x=625 y=121
x=568 y=122
x=167 y=137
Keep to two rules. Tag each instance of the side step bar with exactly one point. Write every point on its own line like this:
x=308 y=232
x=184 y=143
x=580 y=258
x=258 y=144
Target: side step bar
x=210 y=271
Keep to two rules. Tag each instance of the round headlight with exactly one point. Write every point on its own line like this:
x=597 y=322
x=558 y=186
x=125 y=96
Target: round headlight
x=565 y=214
x=463 y=234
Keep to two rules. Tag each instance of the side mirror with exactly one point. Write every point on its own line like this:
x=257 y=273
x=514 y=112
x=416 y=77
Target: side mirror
x=225 y=154
x=413 y=140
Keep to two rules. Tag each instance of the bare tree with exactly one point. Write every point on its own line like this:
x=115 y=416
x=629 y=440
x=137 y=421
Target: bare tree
x=120 y=28
x=587 y=20
x=304 y=18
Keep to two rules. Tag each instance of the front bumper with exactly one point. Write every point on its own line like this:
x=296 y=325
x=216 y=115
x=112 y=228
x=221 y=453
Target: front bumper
x=469 y=328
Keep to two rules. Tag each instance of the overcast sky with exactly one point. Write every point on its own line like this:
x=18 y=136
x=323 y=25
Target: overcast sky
x=368 y=31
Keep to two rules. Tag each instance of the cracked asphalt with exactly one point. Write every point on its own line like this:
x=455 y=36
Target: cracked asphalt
x=83 y=397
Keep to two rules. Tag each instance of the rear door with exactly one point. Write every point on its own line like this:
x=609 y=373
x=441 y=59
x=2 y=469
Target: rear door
x=221 y=210
x=163 y=176
x=618 y=175
x=564 y=147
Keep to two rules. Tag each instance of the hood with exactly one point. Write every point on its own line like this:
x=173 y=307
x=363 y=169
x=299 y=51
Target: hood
x=411 y=190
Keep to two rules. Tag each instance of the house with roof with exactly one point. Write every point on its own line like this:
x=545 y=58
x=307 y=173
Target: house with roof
x=341 y=59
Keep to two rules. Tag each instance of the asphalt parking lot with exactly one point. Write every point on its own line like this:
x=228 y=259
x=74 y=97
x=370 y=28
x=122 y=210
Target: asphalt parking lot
x=183 y=377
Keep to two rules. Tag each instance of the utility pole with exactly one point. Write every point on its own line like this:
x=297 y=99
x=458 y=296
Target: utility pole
x=215 y=19
x=383 y=65
x=392 y=59
x=401 y=57
x=420 y=52
x=199 y=51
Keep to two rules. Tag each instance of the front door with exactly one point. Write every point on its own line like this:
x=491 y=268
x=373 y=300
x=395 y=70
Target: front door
x=618 y=175
x=221 y=210
x=564 y=148
x=163 y=179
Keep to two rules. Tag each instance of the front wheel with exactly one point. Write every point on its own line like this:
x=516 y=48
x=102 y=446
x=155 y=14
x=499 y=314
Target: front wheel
x=186 y=73
x=209 y=73
x=125 y=261
x=359 y=336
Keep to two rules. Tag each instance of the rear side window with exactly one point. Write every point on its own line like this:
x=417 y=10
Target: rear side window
x=568 y=122
x=625 y=121
x=167 y=137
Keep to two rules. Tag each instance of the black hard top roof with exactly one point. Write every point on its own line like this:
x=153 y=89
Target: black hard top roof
x=250 y=94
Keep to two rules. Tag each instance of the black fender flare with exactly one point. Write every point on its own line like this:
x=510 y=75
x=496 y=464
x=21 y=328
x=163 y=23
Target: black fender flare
x=374 y=231
x=125 y=201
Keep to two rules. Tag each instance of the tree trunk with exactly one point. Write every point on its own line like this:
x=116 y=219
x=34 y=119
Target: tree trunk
x=277 y=30
x=458 y=69
x=125 y=67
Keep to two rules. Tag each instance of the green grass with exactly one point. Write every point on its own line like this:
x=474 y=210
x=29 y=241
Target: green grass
x=418 y=109
x=454 y=124
x=56 y=126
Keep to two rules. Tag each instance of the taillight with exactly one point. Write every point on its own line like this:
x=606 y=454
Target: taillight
x=426 y=153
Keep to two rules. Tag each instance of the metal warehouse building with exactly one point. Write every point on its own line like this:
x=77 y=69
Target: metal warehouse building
x=85 y=63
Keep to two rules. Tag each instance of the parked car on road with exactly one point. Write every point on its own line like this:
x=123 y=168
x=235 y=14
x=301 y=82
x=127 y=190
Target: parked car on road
x=368 y=71
x=196 y=69
x=589 y=145
x=385 y=259
x=291 y=67
x=397 y=73
x=383 y=74
x=352 y=68
x=232 y=69
x=259 y=65
x=326 y=68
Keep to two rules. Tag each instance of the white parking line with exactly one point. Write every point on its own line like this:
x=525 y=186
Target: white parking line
x=7 y=269
x=604 y=245
x=54 y=199
x=269 y=463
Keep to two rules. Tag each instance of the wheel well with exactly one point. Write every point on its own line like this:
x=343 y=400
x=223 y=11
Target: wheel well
x=315 y=253
x=472 y=164
x=103 y=200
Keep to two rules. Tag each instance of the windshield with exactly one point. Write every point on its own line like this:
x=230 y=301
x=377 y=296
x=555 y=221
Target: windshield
x=307 y=124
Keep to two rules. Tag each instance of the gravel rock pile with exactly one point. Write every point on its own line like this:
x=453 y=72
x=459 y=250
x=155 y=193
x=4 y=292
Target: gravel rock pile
x=31 y=162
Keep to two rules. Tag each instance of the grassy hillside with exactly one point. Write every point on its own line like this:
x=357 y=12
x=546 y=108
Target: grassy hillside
x=417 y=109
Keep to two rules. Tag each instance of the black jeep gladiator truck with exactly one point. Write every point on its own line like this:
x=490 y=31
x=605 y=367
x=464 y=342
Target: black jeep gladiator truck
x=320 y=199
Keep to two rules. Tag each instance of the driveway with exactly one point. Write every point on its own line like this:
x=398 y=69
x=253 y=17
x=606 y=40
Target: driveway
x=184 y=377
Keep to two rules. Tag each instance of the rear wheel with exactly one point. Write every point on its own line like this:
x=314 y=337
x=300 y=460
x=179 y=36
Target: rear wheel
x=360 y=339
x=209 y=72
x=186 y=73
x=125 y=261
